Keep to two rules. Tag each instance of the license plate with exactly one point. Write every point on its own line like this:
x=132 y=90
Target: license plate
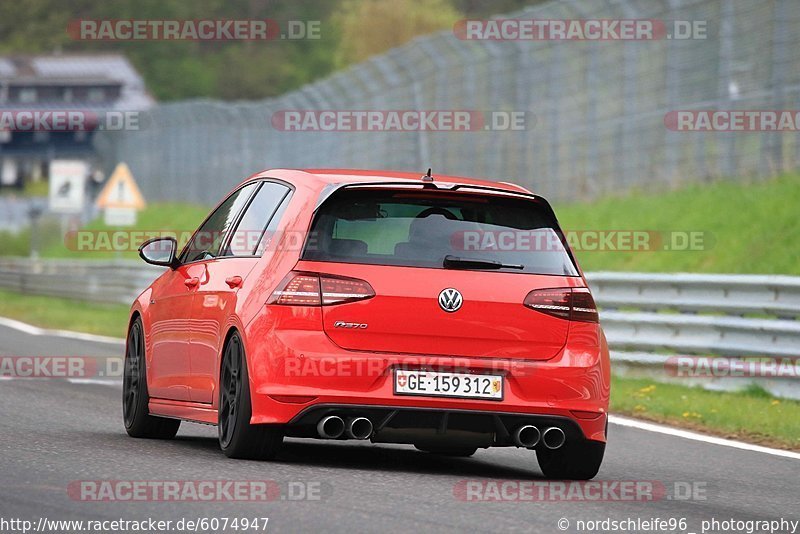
x=436 y=384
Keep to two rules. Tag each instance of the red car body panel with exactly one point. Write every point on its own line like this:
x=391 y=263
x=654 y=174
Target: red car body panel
x=296 y=359
x=403 y=317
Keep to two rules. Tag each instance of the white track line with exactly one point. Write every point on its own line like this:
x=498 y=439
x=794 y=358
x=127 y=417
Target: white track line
x=112 y=382
x=660 y=429
x=115 y=383
x=36 y=331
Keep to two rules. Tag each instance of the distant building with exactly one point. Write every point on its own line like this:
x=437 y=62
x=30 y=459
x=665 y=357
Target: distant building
x=90 y=84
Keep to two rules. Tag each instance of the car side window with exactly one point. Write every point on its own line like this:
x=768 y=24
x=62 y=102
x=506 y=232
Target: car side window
x=270 y=233
x=257 y=220
x=208 y=239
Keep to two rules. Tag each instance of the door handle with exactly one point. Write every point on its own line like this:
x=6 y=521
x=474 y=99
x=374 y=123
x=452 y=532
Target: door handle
x=234 y=281
x=191 y=282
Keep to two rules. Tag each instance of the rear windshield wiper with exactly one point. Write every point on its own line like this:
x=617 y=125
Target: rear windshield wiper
x=454 y=262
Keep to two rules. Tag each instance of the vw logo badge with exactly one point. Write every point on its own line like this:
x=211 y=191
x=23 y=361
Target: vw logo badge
x=450 y=299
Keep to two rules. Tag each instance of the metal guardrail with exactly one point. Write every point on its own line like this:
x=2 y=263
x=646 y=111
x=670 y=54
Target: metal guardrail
x=771 y=295
x=112 y=282
x=731 y=315
x=646 y=317
x=729 y=336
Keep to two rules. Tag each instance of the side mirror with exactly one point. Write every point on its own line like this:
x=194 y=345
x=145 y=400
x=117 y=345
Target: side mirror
x=160 y=251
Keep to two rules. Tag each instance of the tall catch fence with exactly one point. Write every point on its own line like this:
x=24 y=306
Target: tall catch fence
x=596 y=111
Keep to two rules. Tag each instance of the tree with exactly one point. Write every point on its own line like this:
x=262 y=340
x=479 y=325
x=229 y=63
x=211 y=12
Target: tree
x=370 y=27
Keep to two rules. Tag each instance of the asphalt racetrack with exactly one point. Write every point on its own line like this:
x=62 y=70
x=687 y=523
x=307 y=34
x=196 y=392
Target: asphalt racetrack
x=63 y=442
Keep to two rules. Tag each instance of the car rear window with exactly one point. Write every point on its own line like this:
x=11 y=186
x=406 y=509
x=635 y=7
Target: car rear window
x=421 y=228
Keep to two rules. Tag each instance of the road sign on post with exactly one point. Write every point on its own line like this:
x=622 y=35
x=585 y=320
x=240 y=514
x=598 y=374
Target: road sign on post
x=8 y=172
x=120 y=198
x=67 y=186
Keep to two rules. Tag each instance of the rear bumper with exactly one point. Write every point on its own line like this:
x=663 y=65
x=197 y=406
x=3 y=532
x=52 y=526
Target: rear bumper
x=297 y=372
x=445 y=417
x=397 y=424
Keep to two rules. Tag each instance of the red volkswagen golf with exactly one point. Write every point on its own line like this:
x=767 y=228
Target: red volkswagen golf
x=441 y=312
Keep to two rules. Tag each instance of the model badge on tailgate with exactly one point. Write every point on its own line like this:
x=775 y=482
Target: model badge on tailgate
x=342 y=324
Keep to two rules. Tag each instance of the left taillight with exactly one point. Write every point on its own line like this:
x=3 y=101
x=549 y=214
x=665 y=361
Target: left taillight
x=313 y=289
x=297 y=289
x=570 y=303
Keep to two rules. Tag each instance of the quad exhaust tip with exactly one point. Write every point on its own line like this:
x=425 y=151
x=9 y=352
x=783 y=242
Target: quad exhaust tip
x=553 y=438
x=332 y=427
x=527 y=436
x=359 y=428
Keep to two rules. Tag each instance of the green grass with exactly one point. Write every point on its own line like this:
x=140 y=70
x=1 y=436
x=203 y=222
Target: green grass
x=745 y=227
x=178 y=218
x=37 y=189
x=65 y=314
x=748 y=228
x=48 y=236
x=30 y=189
x=751 y=415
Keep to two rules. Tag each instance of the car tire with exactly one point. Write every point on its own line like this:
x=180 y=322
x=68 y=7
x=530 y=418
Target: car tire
x=457 y=452
x=135 y=412
x=237 y=437
x=579 y=460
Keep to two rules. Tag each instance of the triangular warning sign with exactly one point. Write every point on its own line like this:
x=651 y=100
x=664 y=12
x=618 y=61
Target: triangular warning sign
x=121 y=191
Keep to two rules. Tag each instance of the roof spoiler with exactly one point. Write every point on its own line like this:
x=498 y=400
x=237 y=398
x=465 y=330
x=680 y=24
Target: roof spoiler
x=330 y=189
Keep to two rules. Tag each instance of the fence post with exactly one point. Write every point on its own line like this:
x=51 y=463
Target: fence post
x=631 y=143
x=726 y=139
x=554 y=91
x=670 y=171
x=772 y=153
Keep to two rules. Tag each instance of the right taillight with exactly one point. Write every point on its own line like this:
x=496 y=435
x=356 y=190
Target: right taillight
x=573 y=304
x=312 y=289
